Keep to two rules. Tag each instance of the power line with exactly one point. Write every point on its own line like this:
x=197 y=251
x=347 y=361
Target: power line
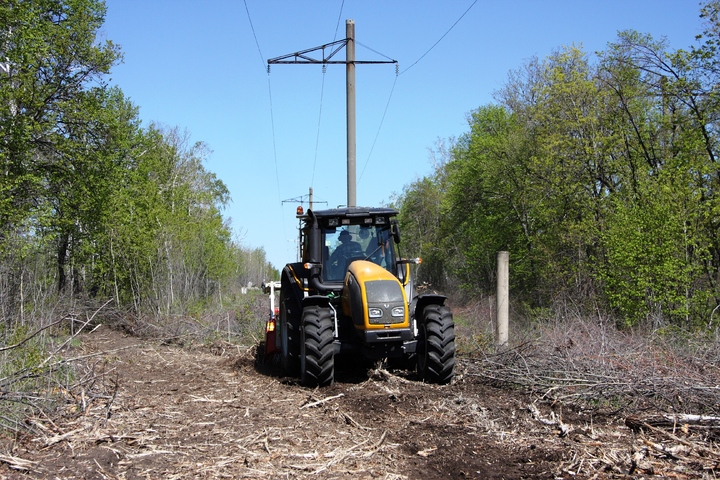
x=262 y=59
x=272 y=126
x=322 y=95
x=377 y=134
x=300 y=57
x=337 y=26
x=272 y=115
x=317 y=136
x=441 y=38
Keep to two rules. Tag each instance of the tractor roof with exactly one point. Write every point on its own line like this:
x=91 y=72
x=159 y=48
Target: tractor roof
x=353 y=212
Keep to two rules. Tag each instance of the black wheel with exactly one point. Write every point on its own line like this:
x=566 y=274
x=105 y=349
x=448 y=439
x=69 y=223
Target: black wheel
x=289 y=335
x=436 y=345
x=260 y=354
x=317 y=352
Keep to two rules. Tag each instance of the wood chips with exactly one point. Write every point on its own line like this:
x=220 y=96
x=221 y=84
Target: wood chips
x=161 y=411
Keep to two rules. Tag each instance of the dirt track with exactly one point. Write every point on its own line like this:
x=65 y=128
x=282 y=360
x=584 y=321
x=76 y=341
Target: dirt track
x=161 y=411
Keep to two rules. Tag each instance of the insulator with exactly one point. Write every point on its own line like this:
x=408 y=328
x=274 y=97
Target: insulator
x=324 y=68
x=397 y=69
x=268 y=69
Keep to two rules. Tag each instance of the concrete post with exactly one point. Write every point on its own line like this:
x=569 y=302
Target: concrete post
x=350 y=79
x=502 y=303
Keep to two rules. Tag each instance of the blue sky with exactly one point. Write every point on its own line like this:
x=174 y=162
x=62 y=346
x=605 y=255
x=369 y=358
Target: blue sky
x=196 y=65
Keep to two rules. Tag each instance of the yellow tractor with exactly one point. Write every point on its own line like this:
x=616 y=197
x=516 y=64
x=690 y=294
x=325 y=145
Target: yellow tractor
x=353 y=295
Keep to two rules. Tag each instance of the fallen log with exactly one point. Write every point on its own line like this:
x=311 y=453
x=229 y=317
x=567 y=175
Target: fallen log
x=684 y=422
x=635 y=423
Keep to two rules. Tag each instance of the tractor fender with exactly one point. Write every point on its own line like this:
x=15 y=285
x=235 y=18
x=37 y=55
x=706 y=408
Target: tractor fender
x=292 y=281
x=421 y=301
x=316 y=300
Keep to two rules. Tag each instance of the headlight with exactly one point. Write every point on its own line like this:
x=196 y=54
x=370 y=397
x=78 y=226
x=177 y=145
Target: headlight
x=398 y=312
x=375 y=312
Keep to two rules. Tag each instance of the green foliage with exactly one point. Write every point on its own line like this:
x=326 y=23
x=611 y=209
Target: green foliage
x=486 y=207
x=600 y=178
x=50 y=54
x=90 y=200
x=420 y=219
x=95 y=207
x=23 y=360
x=647 y=271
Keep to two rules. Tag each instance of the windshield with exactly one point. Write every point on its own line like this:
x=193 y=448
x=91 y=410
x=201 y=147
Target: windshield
x=343 y=245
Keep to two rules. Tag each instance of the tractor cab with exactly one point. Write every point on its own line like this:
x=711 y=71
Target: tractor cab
x=344 y=245
x=333 y=239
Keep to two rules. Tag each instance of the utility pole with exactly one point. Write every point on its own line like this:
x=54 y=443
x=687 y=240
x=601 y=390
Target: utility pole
x=350 y=97
x=304 y=57
x=305 y=199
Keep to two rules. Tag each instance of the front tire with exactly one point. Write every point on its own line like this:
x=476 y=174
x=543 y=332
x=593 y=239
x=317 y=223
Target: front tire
x=317 y=352
x=436 y=346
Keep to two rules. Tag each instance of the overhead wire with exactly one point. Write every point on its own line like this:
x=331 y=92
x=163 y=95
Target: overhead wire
x=272 y=115
x=257 y=44
x=441 y=38
x=397 y=74
x=377 y=134
x=322 y=95
x=337 y=25
x=317 y=135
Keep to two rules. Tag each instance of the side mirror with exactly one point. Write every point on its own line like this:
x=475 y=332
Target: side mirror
x=403 y=273
x=395 y=231
x=403 y=268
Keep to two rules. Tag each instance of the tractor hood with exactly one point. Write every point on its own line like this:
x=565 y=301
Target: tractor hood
x=373 y=297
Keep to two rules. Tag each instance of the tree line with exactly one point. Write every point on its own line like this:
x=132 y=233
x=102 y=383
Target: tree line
x=598 y=173
x=93 y=204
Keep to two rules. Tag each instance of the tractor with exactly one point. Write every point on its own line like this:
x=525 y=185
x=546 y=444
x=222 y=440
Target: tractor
x=352 y=294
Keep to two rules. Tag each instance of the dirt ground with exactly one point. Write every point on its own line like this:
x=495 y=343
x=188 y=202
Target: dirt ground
x=162 y=411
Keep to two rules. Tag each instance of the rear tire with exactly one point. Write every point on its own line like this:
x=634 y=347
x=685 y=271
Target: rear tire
x=260 y=354
x=436 y=345
x=317 y=352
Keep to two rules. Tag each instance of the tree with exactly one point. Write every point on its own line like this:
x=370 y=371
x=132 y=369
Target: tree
x=167 y=244
x=601 y=178
x=486 y=209
x=421 y=221
x=659 y=238
x=49 y=55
